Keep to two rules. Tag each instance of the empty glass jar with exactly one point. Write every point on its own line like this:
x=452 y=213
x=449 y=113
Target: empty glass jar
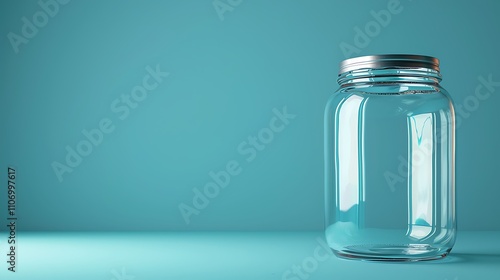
x=390 y=160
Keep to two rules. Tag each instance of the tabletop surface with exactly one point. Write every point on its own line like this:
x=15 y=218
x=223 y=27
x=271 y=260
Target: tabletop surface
x=228 y=255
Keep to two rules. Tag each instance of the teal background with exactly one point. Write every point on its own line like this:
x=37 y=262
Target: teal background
x=225 y=79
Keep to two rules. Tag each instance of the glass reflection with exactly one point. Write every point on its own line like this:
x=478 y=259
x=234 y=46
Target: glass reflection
x=420 y=181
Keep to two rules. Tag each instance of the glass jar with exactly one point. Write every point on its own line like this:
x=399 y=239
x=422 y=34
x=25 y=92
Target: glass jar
x=390 y=160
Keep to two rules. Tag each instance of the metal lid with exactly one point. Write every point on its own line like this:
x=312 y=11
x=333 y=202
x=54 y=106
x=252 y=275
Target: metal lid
x=388 y=61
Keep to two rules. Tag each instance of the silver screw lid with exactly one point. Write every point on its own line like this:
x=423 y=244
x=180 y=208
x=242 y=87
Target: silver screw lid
x=389 y=61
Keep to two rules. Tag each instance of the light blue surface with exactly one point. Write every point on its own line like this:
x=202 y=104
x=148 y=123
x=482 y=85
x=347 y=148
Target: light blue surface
x=231 y=255
x=226 y=77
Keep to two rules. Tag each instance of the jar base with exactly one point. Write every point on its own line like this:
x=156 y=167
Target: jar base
x=392 y=253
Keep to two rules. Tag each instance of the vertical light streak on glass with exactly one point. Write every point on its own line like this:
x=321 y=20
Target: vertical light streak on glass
x=348 y=157
x=361 y=163
x=444 y=157
x=420 y=188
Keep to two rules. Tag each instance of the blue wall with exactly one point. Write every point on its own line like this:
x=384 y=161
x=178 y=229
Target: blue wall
x=233 y=68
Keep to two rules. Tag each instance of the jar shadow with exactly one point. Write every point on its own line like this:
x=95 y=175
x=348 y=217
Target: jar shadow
x=469 y=259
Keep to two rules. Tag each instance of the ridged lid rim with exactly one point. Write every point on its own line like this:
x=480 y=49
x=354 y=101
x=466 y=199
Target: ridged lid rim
x=388 y=61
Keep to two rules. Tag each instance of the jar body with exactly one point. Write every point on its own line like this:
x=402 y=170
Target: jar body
x=389 y=168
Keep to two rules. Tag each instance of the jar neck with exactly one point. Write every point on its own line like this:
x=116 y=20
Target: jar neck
x=389 y=75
